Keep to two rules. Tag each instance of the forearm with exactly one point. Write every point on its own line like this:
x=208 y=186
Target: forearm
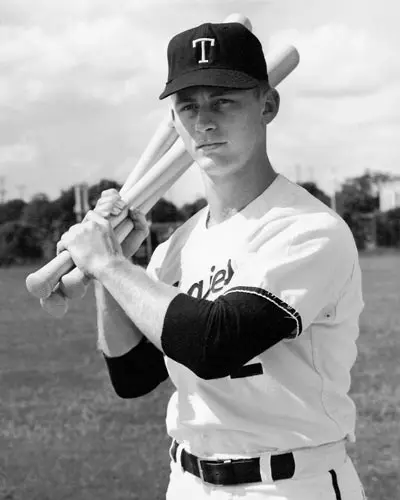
x=117 y=334
x=144 y=301
x=211 y=338
x=137 y=372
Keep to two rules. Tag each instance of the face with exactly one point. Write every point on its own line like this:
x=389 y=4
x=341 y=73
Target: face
x=223 y=129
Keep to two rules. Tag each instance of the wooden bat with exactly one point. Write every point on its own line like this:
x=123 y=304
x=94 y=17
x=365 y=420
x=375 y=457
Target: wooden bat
x=73 y=284
x=56 y=304
x=42 y=282
x=279 y=68
x=174 y=162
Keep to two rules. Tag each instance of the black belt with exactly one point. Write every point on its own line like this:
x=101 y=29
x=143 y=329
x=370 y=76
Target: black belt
x=236 y=471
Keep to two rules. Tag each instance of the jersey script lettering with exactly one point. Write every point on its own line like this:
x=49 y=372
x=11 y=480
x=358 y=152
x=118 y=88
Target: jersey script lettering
x=217 y=281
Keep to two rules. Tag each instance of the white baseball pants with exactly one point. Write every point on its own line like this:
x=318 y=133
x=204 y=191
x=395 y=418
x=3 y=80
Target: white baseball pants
x=314 y=481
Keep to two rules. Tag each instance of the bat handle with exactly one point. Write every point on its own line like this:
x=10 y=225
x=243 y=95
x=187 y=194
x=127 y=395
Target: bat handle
x=42 y=282
x=74 y=284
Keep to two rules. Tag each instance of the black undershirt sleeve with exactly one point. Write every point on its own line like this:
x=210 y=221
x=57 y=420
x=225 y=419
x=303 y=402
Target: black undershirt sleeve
x=215 y=338
x=138 y=371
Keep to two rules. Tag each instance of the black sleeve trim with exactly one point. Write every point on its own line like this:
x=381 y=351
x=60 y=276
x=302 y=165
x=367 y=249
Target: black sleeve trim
x=286 y=308
x=214 y=339
x=138 y=371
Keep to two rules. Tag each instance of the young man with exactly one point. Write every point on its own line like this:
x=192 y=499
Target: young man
x=251 y=307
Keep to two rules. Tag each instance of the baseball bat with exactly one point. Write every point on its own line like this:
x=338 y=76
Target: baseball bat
x=279 y=68
x=42 y=282
x=142 y=195
x=56 y=304
x=74 y=283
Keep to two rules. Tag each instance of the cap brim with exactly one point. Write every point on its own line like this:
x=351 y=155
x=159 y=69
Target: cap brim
x=211 y=77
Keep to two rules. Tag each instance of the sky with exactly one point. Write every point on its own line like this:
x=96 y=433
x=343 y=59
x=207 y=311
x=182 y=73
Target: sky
x=80 y=80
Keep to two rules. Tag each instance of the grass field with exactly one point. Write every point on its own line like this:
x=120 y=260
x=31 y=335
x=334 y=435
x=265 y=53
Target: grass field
x=64 y=434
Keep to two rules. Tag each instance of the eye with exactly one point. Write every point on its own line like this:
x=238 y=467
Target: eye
x=223 y=103
x=187 y=107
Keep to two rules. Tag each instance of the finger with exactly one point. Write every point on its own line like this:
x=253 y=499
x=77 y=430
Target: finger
x=60 y=247
x=62 y=243
x=107 y=192
x=107 y=208
x=138 y=218
x=96 y=218
x=112 y=198
x=110 y=205
x=118 y=207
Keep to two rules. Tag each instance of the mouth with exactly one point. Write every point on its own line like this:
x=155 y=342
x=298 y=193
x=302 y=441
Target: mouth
x=210 y=146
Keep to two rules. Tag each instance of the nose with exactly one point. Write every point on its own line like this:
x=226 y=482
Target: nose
x=204 y=121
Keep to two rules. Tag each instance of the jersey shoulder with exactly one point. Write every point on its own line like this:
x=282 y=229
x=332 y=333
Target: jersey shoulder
x=289 y=216
x=311 y=214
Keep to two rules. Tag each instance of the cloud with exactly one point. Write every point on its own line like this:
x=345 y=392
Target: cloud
x=338 y=61
x=18 y=153
x=79 y=86
x=104 y=59
x=339 y=108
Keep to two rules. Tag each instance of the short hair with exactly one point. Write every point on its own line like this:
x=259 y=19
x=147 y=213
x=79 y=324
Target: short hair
x=263 y=86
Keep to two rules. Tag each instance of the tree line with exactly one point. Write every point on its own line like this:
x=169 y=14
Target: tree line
x=29 y=231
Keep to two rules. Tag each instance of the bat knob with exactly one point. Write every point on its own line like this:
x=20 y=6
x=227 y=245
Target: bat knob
x=56 y=305
x=37 y=287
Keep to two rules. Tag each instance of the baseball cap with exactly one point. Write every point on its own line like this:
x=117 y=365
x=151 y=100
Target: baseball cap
x=218 y=55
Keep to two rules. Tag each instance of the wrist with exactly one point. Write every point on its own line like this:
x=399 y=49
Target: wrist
x=109 y=268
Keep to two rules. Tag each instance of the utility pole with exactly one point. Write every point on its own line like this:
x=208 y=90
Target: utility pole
x=81 y=201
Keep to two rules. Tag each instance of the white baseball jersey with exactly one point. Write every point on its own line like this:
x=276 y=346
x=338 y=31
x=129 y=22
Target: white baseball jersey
x=298 y=253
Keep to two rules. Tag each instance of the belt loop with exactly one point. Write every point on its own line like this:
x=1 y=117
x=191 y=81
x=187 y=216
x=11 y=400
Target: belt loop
x=199 y=465
x=171 y=456
x=179 y=451
x=265 y=467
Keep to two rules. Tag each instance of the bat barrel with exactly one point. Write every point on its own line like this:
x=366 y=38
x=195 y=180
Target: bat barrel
x=163 y=138
x=282 y=65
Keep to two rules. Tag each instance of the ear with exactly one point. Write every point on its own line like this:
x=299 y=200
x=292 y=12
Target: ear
x=271 y=105
x=172 y=116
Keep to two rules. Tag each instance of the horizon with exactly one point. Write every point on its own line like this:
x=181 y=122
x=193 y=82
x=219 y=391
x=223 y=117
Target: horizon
x=79 y=88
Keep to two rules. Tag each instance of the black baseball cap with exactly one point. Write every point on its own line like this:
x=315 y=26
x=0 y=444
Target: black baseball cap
x=217 y=55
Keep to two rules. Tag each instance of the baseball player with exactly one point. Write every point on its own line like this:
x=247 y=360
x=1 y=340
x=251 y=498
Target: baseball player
x=251 y=307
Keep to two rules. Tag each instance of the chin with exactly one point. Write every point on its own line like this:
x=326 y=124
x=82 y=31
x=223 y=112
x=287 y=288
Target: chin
x=216 y=167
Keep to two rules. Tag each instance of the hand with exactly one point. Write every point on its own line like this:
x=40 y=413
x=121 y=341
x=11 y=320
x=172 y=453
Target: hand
x=139 y=233
x=92 y=244
x=111 y=204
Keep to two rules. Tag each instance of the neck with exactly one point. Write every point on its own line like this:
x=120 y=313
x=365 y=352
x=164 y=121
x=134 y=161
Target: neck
x=228 y=195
